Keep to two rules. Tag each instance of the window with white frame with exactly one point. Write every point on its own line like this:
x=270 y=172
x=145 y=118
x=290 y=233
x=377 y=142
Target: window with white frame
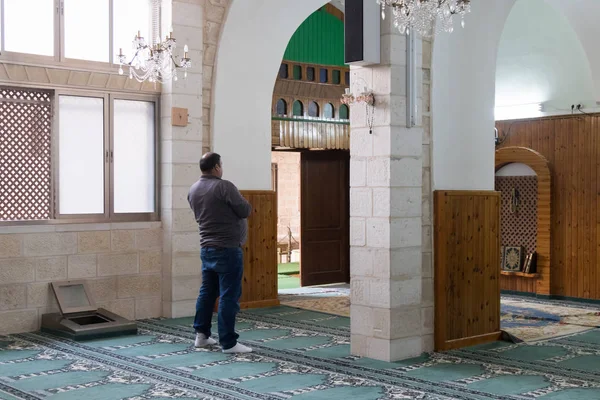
x=68 y=30
x=77 y=156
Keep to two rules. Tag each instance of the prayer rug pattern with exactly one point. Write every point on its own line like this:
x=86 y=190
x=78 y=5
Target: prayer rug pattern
x=299 y=354
x=527 y=320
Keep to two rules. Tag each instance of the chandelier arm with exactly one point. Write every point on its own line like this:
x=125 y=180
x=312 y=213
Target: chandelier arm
x=175 y=62
x=135 y=55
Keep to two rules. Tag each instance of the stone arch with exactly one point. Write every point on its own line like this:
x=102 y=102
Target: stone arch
x=538 y=163
x=215 y=13
x=251 y=31
x=463 y=98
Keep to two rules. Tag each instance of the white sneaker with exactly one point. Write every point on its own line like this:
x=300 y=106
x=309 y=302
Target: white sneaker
x=238 y=348
x=203 y=341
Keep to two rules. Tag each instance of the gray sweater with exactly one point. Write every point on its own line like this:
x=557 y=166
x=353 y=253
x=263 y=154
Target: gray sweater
x=220 y=211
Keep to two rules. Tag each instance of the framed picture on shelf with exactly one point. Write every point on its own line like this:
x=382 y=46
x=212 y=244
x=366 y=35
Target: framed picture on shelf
x=513 y=258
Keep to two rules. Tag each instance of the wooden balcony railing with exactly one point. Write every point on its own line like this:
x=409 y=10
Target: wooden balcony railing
x=311 y=133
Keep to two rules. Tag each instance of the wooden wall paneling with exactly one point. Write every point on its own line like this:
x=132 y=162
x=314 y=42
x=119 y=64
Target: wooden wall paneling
x=589 y=206
x=572 y=208
x=592 y=194
x=584 y=164
x=467 y=259
x=594 y=274
x=578 y=211
x=570 y=144
x=560 y=219
x=260 y=252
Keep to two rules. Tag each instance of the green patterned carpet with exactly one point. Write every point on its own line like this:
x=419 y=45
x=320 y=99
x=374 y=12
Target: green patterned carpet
x=299 y=354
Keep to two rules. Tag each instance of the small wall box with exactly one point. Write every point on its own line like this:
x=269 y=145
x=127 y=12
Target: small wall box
x=79 y=318
x=179 y=116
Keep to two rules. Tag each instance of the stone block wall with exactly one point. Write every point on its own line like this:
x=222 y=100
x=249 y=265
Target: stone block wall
x=181 y=149
x=121 y=262
x=288 y=194
x=391 y=225
x=427 y=289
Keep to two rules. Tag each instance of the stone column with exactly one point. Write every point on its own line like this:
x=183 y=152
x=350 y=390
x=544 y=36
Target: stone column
x=181 y=151
x=390 y=318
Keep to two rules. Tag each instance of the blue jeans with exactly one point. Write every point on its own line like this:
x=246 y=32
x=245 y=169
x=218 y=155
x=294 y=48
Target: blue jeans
x=222 y=273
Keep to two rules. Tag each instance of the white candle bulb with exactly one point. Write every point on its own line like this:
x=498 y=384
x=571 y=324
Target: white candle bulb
x=185 y=48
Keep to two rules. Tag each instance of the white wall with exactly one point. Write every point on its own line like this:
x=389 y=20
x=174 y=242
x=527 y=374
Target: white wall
x=463 y=94
x=255 y=36
x=516 y=169
x=541 y=60
x=583 y=16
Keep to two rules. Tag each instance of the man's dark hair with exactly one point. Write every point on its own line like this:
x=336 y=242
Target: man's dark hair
x=209 y=161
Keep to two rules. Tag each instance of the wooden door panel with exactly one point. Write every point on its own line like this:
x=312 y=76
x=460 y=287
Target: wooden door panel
x=325 y=217
x=324 y=259
x=467 y=273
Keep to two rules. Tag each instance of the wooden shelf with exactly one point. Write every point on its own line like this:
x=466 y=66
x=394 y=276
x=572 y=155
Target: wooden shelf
x=521 y=274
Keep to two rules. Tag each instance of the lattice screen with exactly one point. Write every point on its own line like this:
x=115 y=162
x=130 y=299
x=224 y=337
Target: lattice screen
x=520 y=228
x=25 y=154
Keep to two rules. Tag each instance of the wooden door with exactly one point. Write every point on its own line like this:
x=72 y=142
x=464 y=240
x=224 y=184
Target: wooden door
x=325 y=217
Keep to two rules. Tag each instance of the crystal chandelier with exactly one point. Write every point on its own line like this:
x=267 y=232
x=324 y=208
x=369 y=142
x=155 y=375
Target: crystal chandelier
x=154 y=62
x=427 y=17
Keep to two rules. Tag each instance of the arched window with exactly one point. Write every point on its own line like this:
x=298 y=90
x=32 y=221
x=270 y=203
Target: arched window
x=313 y=109
x=298 y=108
x=329 y=111
x=281 y=108
x=344 y=112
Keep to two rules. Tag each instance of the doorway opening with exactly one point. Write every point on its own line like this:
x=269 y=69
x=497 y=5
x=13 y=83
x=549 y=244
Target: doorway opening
x=310 y=159
x=313 y=235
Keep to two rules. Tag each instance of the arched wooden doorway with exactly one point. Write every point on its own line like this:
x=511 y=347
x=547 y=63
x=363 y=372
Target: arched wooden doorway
x=540 y=165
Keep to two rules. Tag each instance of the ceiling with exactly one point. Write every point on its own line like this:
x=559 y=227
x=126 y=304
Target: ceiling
x=583 y=16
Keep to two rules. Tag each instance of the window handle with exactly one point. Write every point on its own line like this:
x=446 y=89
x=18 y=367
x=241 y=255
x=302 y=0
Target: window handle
x=111 y=157
x=106 y=155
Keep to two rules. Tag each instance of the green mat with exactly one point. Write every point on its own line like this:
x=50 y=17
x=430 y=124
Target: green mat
x=299 y=355
x=288 y=269
x=287 y=282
